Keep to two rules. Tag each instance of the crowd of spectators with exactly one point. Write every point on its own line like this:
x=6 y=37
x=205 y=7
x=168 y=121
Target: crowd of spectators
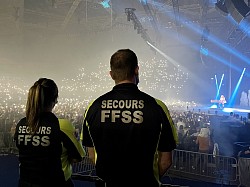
x=14 y=91
x=77 y=90
x=75 y=94
x=188 y=117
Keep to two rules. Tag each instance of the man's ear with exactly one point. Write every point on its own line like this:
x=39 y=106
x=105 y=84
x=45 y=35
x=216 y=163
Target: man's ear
x=137 y=70
x=111 y=74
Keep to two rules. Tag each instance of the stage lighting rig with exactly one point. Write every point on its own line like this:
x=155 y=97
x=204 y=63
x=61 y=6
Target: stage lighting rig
x=221 y=6
x=129 y=12
x=205 y=34
x=137 y=25
x=238 y=9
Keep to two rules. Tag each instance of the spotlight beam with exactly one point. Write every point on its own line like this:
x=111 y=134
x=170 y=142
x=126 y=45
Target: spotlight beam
x=232 y=99
x=212 y=38
x=196 y=79
x=218 y=91
x=216 y=83
x=196 y=47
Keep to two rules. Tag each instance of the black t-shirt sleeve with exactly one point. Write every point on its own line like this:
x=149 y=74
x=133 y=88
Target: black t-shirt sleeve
x=166 y=142
x=86 y=138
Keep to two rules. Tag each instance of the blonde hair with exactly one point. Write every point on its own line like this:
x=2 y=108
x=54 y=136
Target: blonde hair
x=205 y=132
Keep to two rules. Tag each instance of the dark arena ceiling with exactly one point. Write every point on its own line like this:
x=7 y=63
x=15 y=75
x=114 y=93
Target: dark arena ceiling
x=193 y=35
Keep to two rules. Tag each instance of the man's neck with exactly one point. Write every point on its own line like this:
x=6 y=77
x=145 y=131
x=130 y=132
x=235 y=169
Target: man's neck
x=125 y=81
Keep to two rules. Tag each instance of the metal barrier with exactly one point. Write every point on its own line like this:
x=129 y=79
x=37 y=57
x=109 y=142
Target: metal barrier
x=85 y=171
x=244 y=171
x=187 y=164
x=7 y=144
x=206 y=167
x=86 y=167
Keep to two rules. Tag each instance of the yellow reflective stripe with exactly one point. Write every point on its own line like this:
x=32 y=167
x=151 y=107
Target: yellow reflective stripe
x=81 y=136
x=84 y=116
x=165 y=109
x=69 y=130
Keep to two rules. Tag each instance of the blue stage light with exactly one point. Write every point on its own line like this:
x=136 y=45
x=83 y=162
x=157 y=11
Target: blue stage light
x=204 y=51
x=196 y=28
x=218 y=91
x=235 y=92
x=105 y=4
x=143 y=2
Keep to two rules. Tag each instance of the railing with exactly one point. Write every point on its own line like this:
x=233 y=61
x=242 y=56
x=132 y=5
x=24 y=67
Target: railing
x=244 y=171
x=191 y=165
x=7 y=145
x=85 y=171
x=86 y=166
x=206 y=167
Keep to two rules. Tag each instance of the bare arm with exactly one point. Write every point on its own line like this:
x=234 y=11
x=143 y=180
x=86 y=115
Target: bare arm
x=197 y=140
x=164 y=162
x=91 y=153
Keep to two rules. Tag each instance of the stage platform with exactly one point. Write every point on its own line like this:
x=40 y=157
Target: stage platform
x=213 y=109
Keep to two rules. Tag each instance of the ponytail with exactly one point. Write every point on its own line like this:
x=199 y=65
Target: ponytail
x=41 y=96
